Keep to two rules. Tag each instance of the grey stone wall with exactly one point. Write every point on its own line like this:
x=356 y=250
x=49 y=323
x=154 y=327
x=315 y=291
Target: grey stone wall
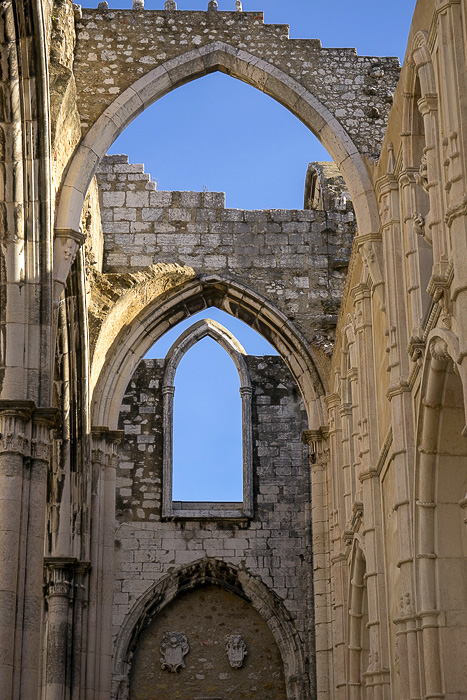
x=275 y=545
x=116 y=48
x=295 y=258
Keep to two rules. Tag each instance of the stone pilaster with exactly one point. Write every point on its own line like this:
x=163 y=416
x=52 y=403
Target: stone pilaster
x=104 y=463
x=24 y=457
x=319 y=456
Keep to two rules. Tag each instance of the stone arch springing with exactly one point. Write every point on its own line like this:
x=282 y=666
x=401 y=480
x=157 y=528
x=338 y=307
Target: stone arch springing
x=191 y=65
x=220 y=334
x=136 y=324
x=440 y=535
x=231 y=578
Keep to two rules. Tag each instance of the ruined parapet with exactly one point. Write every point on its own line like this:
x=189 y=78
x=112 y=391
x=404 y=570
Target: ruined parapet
x=295 y=258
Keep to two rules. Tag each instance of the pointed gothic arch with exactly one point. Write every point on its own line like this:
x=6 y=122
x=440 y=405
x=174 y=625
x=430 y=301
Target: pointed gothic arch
x=240 y=582
x=137 y=322
x=440 y=504
x=207 y=328
x=216 y=56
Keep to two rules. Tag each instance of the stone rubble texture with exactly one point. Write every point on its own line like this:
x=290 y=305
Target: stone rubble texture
x=349 y=575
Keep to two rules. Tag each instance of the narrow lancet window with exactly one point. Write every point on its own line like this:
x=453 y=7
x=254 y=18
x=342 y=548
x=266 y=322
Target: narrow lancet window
x=207 y=427
x=207 y=439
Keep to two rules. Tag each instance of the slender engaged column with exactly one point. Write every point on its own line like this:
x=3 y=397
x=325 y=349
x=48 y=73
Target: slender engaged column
x=14 y=447
x=43 y=421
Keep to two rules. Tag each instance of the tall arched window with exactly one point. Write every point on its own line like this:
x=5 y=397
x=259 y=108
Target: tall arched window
x=191 y=509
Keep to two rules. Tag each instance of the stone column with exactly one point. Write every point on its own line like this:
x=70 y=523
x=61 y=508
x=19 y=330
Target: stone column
x=246 y=393
x=104 y=465
x=64 y=601
x=15 y=433
x=339 y=576
x=168 y=393
x=24 y=456
x=319 y=455
x=43 y=420
x=59 y=595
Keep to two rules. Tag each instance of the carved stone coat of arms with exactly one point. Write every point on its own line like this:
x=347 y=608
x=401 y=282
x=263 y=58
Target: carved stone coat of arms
x=173 y=648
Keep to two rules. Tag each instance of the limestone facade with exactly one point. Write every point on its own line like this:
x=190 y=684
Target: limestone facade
x=352 y=569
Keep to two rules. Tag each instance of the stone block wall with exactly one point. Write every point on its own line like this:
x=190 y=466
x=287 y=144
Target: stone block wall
x=275 y=545
x=116 y=48
x=207 y=617
x=296 y=258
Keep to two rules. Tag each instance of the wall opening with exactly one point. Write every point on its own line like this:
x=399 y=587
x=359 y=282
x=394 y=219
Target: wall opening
x=207 y=427
x=212 y=128
x=199 y=506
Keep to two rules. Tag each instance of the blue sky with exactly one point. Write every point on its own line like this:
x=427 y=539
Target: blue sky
x=220 y=134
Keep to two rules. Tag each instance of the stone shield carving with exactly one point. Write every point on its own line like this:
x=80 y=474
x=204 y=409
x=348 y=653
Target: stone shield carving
x=236 y=650
x=173 y=649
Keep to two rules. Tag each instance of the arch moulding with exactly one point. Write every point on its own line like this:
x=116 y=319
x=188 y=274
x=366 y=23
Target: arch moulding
x=216 y=56
x=238 y=581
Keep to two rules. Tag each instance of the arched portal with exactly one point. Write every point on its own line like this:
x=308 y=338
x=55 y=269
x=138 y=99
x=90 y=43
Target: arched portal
x=440 y=521
x=239 y=582
x=133 y=326
x=216 y=56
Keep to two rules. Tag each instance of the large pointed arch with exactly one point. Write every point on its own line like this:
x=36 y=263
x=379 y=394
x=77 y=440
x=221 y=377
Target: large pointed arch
x=117 y=354
x=238 y=581
x=216 y=56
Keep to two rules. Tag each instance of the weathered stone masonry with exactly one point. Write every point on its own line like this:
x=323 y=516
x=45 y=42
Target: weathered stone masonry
x=116 y=48
x=274 y=546
x=296 y=258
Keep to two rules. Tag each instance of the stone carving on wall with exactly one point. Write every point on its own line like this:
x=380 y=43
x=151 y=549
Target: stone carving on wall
x=422 y=176
x=173 y=648
x=236 y=650
x=419 y=224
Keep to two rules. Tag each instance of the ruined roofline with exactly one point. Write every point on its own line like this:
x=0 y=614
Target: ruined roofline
x=332 y=185
x=282 y=29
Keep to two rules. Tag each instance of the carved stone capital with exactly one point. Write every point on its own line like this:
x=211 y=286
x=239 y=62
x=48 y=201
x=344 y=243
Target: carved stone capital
x=316 y=441
x=14 y=426
x=43 y=421
x=59 y=572
x=105 y=447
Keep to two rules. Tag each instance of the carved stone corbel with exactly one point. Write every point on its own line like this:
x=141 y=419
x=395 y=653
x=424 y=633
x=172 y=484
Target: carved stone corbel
x=67 y=241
